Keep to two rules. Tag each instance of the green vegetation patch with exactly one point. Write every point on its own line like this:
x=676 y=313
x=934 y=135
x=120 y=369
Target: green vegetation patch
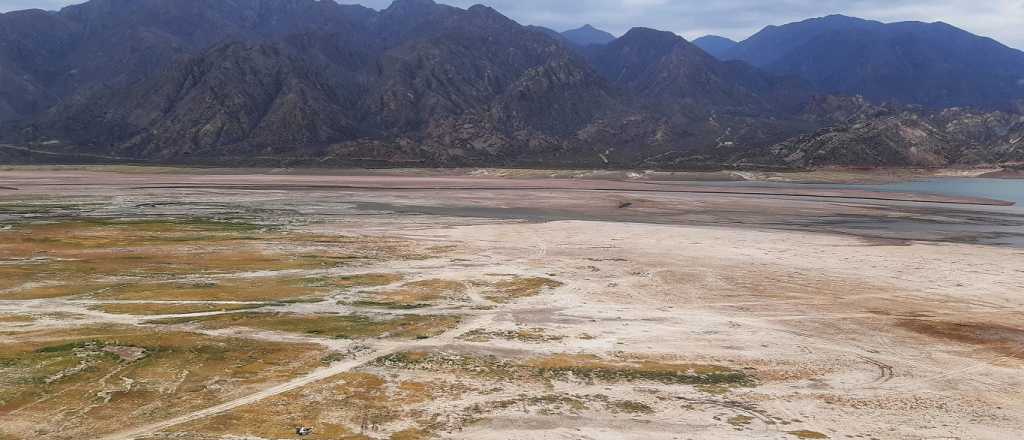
x=570 y=367
x=808 y=434
x=530 y=335
x=111 y=374
x=517 y=288
x=332 y=326
x=72 y=257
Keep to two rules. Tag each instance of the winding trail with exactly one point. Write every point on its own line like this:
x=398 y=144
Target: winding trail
x=385 y=349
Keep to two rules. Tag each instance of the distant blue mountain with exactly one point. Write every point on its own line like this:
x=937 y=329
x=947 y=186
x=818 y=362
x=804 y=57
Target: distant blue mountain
x=930 y=64
x=588 y=35
x=547 y=31
x=715 y=45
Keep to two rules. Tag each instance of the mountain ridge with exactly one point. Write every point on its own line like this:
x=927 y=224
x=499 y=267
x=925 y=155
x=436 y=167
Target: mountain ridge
x=931 y=64
x=715 y=45
x=588 y=35
x=303 y=81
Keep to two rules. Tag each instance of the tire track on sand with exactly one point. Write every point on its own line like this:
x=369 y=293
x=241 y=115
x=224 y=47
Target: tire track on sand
x=299 y=382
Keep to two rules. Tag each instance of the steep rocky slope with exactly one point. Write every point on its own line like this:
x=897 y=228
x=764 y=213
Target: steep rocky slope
x=314 y=82
x=892 y=136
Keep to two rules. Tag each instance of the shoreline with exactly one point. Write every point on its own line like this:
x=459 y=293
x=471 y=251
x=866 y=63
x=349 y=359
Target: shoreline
x=828 y=175
x=25 y=181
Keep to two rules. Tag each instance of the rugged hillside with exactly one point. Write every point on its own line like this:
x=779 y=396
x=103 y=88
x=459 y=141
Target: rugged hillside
x=931 y=64
x=306 y=81
x=31 y=60
x=663 y=69
x=416 y=73
x=105 y=43
x=891 y=136
x=208 y=105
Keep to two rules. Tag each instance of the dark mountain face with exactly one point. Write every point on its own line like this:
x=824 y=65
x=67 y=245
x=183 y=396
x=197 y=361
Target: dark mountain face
x=305 y=81
x=117 y=42
x=894 y=136
x=775 y=42
x=416 y=72
x=33 y=45
x=664 y=70
x=587 y=36
x=930 y=64
x=549 y=32
x=714 y=45
x=256 y=95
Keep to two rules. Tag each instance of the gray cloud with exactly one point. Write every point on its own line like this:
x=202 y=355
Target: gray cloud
x=737 y=19
x=14 y=5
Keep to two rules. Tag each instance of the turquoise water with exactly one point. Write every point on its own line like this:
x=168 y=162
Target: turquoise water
x=1010 y=190
x=1000 y=225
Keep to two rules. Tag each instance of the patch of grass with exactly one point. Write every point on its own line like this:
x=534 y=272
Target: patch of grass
x=216 y=289
x=15 y=319
x=531 y=335
x=808 y=434
x=362 y=280
x=144 y=309
x=411 y=434
x=331 y=326
x=117 y=375
x=548 y=404
x=629 y=407
x=80 y=256
x=352 y=405
x=740 y=420
x=390 y=306
x=569 y=367
x=518 y=288
x=43 y=209
x=715 y=389
x=594 y=369
x=420 y=292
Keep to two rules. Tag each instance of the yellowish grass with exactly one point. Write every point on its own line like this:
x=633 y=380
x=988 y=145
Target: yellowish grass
x=332 y=326
x=351 y=406
x=518 y=288
x=423 y=292
x=145 y=309
x=117 y=377
x=15 y=318
x=218 y=289
x=76 y=257
x=533 y=335
x=364 y=280
x=574 y=367
x=807 y=434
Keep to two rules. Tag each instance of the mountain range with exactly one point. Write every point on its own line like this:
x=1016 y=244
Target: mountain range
x=931 y=64
x=270 y=82
x=715 y=45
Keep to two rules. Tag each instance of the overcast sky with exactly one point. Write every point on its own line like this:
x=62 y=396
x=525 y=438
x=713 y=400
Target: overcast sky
x=737 y=19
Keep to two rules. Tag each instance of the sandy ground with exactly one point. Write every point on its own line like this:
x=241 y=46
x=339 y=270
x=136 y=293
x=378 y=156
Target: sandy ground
x=854 y=325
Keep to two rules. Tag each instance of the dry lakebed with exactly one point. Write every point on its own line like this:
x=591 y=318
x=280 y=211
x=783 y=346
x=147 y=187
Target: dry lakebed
x=164 y=304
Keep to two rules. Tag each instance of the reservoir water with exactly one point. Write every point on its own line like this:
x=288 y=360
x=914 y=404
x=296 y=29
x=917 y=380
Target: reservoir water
x=999 y=225
x=1010 y=190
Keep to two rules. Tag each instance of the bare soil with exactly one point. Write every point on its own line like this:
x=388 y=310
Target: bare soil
x=165 y=304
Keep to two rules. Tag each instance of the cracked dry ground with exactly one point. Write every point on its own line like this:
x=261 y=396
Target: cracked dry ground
x=233 y=314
